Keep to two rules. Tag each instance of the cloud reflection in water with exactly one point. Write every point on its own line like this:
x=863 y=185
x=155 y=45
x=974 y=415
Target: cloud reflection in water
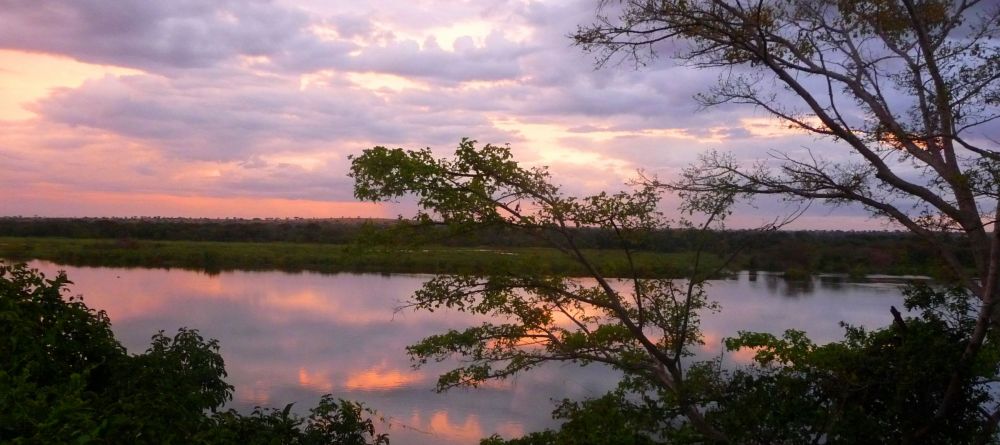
x=292 y=337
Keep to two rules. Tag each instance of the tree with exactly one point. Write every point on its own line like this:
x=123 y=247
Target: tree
x=906 y=89
x=646 y=327
x=886 y=79
x=902 y=86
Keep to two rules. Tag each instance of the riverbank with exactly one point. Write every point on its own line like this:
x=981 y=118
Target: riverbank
x=209 y=256
x=797 y=254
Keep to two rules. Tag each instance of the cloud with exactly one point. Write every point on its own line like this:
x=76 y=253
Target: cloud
x=267 y=99
x=496 y=59
x=156 y=36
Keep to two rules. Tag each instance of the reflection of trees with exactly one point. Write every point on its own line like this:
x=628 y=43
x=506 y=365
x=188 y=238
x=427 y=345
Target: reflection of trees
x=774 y=283
x=832 y=282
x=777 y=284
x=799 y=288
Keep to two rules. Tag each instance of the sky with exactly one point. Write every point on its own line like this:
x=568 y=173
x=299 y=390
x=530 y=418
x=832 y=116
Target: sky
x=250 y=108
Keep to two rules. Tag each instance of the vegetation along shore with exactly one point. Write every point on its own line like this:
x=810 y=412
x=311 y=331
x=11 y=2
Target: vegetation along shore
x=360 y=245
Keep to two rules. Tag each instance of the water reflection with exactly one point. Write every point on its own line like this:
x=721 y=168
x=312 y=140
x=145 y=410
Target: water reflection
x=379 y=379
x=291 y=337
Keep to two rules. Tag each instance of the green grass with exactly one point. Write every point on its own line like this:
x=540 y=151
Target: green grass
x=220 y=256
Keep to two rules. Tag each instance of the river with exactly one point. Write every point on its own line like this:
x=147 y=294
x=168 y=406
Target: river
x=290 y=337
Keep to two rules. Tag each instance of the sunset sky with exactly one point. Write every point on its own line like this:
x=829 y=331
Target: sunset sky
x=249 y=108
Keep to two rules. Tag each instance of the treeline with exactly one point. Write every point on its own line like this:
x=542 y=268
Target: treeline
x=795 y=252
x=855 y=253
x=297 y=230
x=327 y=231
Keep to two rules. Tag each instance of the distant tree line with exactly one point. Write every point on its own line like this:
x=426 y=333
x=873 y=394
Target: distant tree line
x=790 y=251
x=334 y=231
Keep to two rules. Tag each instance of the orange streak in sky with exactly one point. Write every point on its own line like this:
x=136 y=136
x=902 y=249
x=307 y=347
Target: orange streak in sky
x=744 y=355
x=26 y=77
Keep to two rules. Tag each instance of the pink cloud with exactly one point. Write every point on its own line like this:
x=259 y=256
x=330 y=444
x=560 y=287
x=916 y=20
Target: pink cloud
x=249 y=109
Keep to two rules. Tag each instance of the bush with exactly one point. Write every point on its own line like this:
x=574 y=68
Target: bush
x=66 y=379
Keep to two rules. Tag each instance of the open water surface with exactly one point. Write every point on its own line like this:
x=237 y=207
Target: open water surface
x=293 y=337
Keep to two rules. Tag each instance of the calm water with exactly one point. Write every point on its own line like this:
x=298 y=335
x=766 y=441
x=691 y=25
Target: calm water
x=292 y=337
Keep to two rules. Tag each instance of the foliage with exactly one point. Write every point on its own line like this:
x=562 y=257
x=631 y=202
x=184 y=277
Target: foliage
x=899 y=86
x=400 y=246
x=612 y=419
x=66 y=379
x=903 y=87
x=872 y=387
x=643 y=327
x=885 y=385
x=880 y=386
x=298 y=230
x=331 y=422
x=215 y=257
x=904 y=90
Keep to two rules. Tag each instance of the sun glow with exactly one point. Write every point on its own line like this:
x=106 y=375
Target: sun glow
x=27 y=77
x=549 y=143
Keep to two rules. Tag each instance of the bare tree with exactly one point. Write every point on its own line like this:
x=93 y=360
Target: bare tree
x=907 y=88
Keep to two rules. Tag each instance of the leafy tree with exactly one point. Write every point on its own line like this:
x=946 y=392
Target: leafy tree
x=643 y=327
x=885 y=385
x=331 y=422
x=903 y=88
x=64 y=378
x=881 y=386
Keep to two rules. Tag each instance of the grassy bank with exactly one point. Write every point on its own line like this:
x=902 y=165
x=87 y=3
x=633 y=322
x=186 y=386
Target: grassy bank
x=221 y=256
